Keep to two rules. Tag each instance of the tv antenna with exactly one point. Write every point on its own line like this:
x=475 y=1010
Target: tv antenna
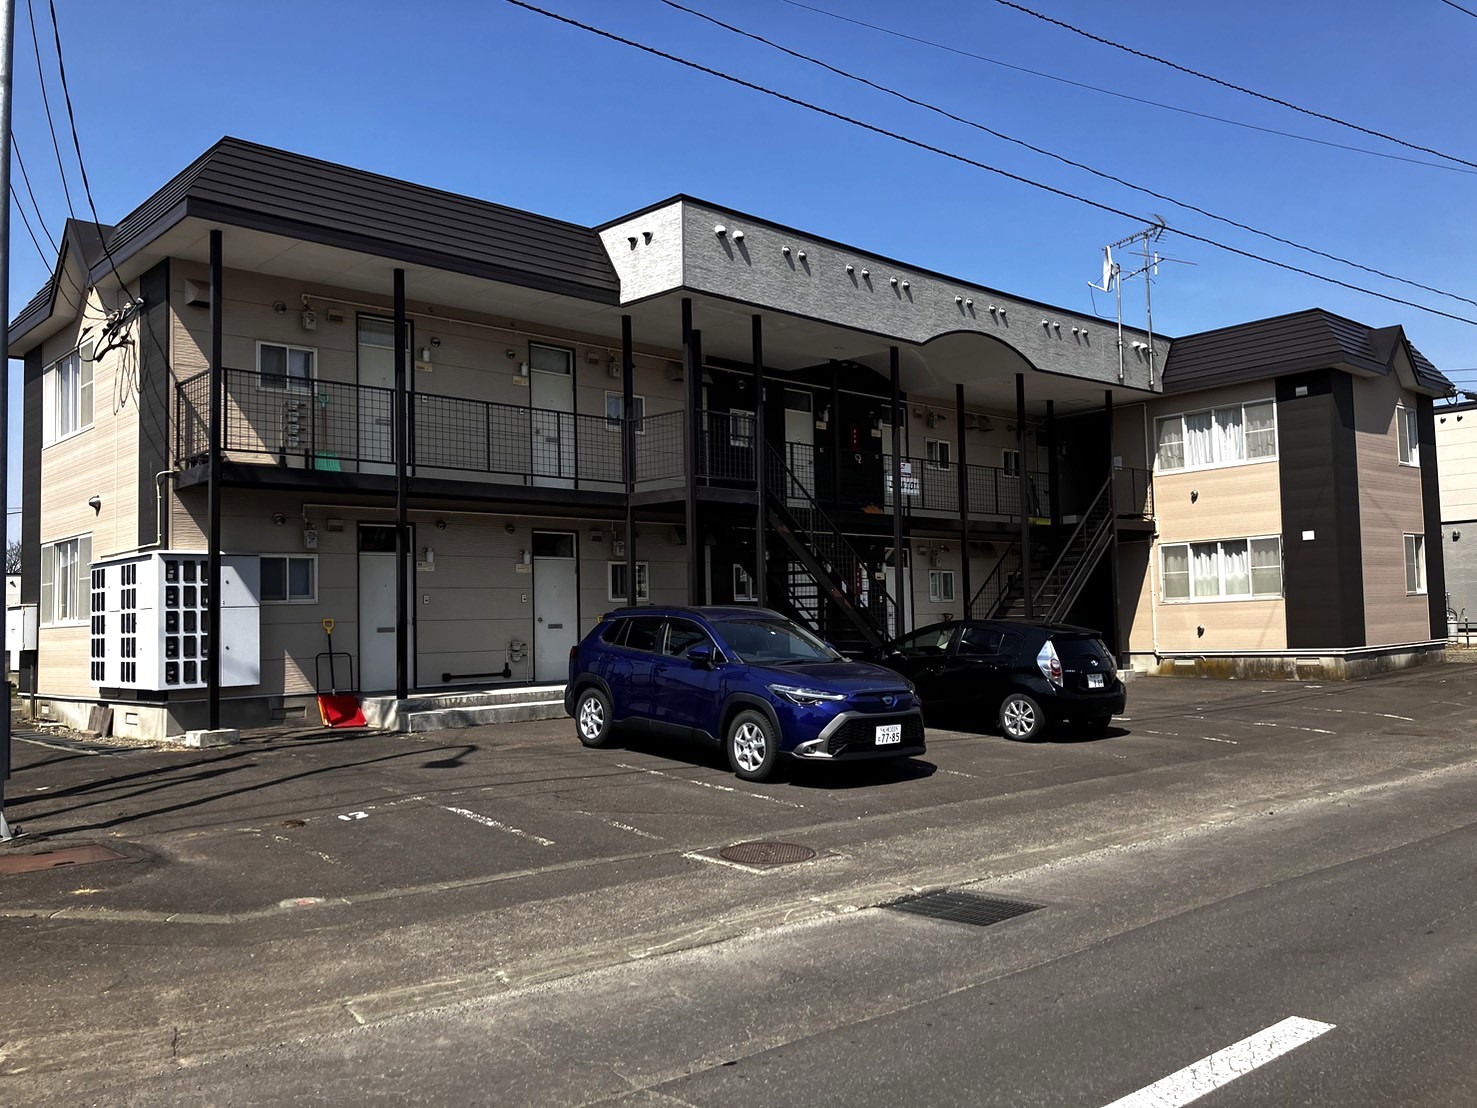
x=1113 y=278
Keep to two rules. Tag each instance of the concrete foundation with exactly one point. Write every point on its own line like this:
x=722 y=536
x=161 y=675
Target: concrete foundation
x=1346 y=665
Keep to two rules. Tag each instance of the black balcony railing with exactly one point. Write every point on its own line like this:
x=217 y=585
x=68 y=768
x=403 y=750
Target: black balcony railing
x=335 y=426
x=1133 y=493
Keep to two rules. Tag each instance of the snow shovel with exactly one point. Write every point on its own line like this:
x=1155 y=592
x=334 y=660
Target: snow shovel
x=335 y=708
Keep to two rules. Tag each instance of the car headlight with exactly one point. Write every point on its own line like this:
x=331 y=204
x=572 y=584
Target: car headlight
x=797 y=694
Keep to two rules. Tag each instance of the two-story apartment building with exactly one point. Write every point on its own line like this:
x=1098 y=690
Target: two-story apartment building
x=283 y=391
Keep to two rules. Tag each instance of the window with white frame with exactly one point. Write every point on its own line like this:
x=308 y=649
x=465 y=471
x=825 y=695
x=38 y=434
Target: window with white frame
x=289 y=578
x=66 y=390
x=282 y=366
x=1415 y=564
x=614 y=401
x=1230 y=569
x=941 y=586
x=66 y=581
x=1405 y=431
x=617 y=582
x=1229 y=435
x=740 y=427
x=1010 y=462
x=938 y=453
x=743 y=584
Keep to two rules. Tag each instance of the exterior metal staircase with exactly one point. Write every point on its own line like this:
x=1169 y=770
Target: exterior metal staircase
x=1057 y=581
x=828 y=584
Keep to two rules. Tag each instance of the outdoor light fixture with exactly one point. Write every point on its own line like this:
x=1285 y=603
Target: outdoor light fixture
x=509 y=528
x=737 y=235
x=720 y=230
x=95 y=503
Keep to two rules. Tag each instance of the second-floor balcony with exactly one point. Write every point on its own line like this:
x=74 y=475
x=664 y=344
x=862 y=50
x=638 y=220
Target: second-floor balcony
x=337 y=427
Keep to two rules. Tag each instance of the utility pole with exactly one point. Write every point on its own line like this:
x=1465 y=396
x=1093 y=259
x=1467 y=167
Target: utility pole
x=7 y=44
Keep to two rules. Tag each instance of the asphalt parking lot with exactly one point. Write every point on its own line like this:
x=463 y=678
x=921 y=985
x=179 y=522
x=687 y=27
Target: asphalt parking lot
x=308 y=883
x=335 y=814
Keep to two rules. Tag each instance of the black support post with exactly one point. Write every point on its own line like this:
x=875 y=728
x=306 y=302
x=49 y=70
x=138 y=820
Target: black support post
x=213 y=495
x=402 y=496
x=963 y=463
x=692 y=390
x=1053 y=467
x=1022 y=482
x=833 y=431
x=899 y=569
x=628 y=452
x=761 y=470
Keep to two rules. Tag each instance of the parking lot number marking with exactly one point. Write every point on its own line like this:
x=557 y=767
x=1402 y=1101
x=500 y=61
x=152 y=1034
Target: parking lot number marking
x=1224 y=1066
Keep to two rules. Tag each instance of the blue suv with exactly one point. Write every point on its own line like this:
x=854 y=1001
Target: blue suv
x=747 y=678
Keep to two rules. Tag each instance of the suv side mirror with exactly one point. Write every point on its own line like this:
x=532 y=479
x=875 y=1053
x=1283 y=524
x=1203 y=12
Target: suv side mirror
x=701 y=656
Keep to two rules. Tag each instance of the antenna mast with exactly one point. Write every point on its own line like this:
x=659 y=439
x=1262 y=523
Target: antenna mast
x=1113 y=276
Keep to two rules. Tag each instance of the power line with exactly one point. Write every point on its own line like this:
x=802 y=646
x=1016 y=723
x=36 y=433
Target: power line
x=46 y=103
x=61 y=67
x=15 y=145
x=1096 y=90
x=963 y=159
x=1458 y=7
x=1065 y=160
x=1230 y=85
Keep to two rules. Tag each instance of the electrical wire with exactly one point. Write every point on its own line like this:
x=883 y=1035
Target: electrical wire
x=1099 y=91
x=77 y=146
x=15 y=146
x=965 y=160
x=1065 y=160
x=1458 y=7
x=1234 y=87
x=46 y=103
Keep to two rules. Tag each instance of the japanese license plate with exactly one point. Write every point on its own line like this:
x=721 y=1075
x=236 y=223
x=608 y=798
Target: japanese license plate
x=889 y=733
x=1094 y=680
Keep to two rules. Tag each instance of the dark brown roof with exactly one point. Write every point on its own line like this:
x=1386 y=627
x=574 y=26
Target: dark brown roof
x=242 y=184
x=1286 y=344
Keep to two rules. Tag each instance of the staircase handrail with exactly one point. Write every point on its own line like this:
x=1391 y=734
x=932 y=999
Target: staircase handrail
x=1008 y=577
x=785 y=488
x=1095 y=522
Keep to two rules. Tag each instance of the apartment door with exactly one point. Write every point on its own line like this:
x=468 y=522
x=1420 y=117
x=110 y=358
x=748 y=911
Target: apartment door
x=556 y=610
x=376 y=446
x=377 y=609
x=551 y=423
x=800 y=443
x=900 y=593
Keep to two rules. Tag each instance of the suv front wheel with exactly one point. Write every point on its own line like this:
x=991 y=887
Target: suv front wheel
x=752 y=744
x=592 y=718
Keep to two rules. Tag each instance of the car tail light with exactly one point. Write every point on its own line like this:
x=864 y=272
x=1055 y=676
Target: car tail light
x=1049 y=664
x=574 y=652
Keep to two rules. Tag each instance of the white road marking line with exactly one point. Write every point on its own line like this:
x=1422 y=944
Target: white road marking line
x=632 y=830
x=1292 y=727
x=961 y=773
x=498 y=825
x=1213 y=739
x=1357 y=712
x=1224 y=1066
x=709 y=785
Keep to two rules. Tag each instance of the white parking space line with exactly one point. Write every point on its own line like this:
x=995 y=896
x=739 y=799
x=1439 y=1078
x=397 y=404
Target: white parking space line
x=1357 y=712
x=710 y=785
x=1224 y=1066
x=1292 y=727
x=498 y=825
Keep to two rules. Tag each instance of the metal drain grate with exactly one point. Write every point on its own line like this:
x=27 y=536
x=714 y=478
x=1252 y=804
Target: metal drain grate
x=766 y=854
x=51 y=859
x=980 y=911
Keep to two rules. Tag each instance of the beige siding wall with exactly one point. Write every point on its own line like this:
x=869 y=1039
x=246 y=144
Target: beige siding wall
x=466 y=610
x=1456 y=447
x=1389 y=508
x=101 y=461
x=1230 y=502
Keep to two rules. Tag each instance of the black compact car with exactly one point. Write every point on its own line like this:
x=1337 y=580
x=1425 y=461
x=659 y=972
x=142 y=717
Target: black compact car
x=1023 y=676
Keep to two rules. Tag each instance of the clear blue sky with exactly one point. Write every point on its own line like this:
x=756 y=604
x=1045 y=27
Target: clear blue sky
x=490 y=100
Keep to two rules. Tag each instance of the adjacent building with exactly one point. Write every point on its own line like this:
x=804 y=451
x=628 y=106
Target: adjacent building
x=283 y=392
x=1456 y=446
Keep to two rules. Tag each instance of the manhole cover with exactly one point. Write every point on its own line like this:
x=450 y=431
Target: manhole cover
x=981 y=911
x=50 y=859
x=766 y=854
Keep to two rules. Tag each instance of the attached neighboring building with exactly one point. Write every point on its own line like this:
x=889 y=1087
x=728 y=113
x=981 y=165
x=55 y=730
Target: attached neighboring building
x=688 y=400
x=1295 y=489
x=1456 y=446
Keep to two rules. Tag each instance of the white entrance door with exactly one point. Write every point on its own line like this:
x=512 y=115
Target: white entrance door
x=376 y=396
x=800 y=443
x=903 y=593
x=551 y=395
x=556 y=609
x=376 y=669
